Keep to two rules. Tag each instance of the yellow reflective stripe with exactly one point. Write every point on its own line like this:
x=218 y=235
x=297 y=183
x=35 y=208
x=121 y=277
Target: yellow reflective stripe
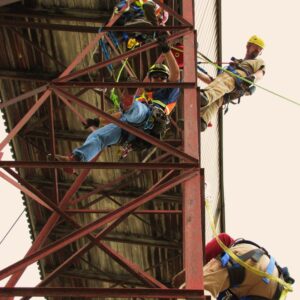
x=159 y=103
x=145 y=97
x=287 y=287
x=139 y=2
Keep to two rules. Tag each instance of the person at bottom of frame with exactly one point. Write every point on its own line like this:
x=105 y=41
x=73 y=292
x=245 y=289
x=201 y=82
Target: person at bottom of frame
x=227 y=280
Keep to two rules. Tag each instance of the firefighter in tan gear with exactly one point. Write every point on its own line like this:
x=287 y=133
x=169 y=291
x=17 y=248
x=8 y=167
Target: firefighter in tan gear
x=226 y=87
x=226 y=279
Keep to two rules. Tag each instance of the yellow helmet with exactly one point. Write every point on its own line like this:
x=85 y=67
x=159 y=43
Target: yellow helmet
x=159 y=68
x=257 y=41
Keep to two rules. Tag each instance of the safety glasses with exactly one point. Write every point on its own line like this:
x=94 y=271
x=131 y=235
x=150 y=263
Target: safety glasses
x=159 y=76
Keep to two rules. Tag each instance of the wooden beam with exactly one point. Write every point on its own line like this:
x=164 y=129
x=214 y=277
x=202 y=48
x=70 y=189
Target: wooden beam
x=7 y=2
x=58 y=13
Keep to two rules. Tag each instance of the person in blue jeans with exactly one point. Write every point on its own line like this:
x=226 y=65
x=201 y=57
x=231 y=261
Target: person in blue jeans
x=111 y=134
x=135 y=112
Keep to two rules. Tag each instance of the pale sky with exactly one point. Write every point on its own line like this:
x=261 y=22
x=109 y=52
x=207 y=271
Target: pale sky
x=261 y=147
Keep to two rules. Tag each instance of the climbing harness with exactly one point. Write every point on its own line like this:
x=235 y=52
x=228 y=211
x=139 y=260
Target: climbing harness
x=284 y=281
x=201 y=55
x=241 y=88
x=155 y=124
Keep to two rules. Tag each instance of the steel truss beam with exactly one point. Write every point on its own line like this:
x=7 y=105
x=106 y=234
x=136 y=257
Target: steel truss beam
x=124 y=262
x=193 y=206
x=101 y=276
x=190 y=176
x=116 y=215
x=97 y=165
x=68 y=14
x=81 y=28
x=7 y=2
x=61 y=230
x=79 y=180
x=78 y=135
x=102 y=292
x=154 y=141
x=27 y=75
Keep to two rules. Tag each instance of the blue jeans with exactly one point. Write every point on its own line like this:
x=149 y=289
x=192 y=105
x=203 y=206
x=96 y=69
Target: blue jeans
x=111 y=133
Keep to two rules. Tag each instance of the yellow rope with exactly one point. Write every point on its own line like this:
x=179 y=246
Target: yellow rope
x=286 y=286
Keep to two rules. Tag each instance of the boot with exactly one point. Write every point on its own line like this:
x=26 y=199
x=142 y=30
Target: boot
x=203 y=125
x=138 y=23
x=203 y=99
x=68 y=158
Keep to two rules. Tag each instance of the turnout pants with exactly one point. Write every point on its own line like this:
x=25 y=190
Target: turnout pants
x=216 y=278
x=223 y=84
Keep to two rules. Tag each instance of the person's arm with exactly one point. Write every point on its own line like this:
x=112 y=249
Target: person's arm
x=169 y=56
x=173 y=66
x=205 y=78
x=258 y=75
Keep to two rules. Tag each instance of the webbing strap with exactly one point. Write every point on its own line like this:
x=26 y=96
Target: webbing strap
x=246 y=80
x=287 y=287
x=160 y=103
x=270 y=269
x=145 y=98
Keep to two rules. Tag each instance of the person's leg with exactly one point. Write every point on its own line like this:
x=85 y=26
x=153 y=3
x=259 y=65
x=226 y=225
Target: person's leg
x=97 y=141
x=149 y=10
x=111 y=133
x=136 y=114
x=208 y=112
x=223 y=84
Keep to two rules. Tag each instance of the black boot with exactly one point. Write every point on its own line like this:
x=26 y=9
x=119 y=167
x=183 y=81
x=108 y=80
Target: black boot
x=203 y=99
x=203 y=125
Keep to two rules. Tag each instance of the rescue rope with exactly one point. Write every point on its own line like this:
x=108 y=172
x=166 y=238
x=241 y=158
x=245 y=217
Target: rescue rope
x=287 y=287
x=12 y=226
x=246 y=80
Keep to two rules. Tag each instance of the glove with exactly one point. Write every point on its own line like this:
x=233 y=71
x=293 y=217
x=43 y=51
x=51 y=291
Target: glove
x=162 y=41
x=250 y=91
x=91 y=122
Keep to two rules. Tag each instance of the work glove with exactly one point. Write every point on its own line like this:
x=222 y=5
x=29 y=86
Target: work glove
x=91 y=122
x=162 y=41
x=250 y=91
x=248 y=87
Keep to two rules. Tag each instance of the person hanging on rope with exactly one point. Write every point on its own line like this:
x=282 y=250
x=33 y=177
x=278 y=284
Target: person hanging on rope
x=226 y=279
x=141 y=13
x=226 y=87
x=148 y=112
